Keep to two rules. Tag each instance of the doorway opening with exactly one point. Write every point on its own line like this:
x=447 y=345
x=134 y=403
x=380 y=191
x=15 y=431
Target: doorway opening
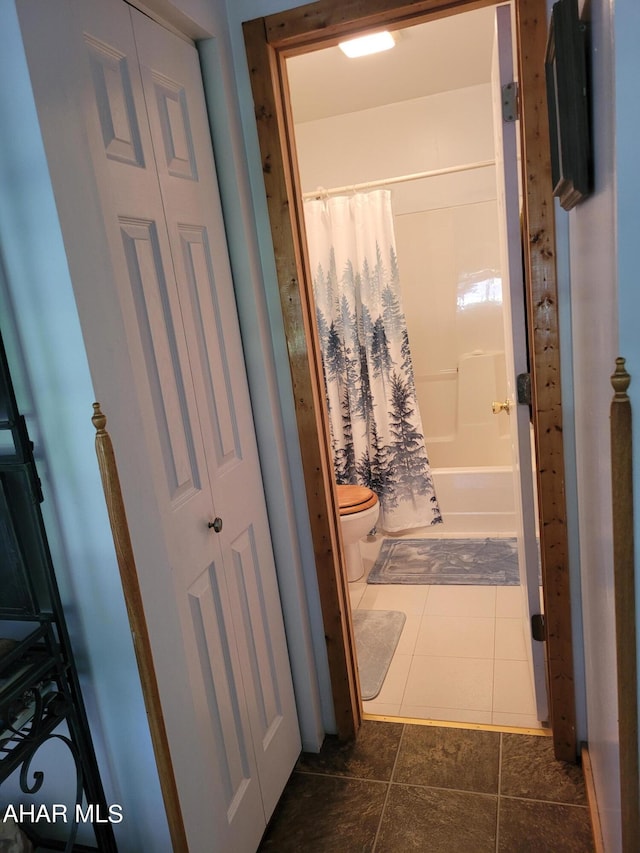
x=418 y=121
x=269 y=43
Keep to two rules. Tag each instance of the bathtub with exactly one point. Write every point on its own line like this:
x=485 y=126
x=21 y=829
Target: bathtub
x=473 y=502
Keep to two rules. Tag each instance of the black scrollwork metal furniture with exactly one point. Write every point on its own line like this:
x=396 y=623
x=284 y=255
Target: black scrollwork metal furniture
x=40 y=698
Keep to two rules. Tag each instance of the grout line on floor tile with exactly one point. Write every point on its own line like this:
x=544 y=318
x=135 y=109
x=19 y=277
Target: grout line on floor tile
x=442 y=788
x=406 y=681
x=341 y=776
x=499 y=792
x=384 y=805
x=493 y=668
x=426 y=598
x=550 y=802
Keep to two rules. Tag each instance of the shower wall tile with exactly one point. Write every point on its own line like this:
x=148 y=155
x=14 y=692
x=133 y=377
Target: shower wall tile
x=459 y=247
x=426 y=241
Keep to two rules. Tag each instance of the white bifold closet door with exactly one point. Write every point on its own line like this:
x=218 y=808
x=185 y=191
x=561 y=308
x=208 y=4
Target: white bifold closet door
x=213 y=607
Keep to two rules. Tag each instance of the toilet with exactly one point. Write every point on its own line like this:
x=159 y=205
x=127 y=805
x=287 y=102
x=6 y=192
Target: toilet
x=359 y=511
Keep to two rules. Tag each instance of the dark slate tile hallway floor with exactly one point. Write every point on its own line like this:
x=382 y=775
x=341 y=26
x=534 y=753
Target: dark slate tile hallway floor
x=404 y=787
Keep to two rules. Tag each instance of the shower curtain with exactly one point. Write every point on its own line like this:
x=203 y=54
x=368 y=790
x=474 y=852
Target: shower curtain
x=376 y=431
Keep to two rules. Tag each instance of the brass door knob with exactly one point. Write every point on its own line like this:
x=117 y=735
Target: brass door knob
x=497 y=406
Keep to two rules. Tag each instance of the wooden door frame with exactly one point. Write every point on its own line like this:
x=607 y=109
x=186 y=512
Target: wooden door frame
x=269 y=42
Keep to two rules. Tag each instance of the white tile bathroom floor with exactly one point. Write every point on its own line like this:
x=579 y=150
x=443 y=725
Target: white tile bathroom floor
x=462 y=655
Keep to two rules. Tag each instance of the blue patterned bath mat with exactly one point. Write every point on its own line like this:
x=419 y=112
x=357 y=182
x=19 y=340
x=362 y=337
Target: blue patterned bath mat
x=490 y=562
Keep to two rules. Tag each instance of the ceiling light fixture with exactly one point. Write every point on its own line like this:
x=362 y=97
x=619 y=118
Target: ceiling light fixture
x=364 y=45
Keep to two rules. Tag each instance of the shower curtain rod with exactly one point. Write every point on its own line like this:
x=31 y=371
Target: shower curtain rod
x=448 y=170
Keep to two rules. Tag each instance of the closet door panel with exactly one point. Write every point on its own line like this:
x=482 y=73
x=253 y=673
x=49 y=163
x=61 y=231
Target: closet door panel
x=208 y=726
x=178 y=121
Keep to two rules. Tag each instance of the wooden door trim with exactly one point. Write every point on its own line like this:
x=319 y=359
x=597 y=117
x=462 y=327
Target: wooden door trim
x=268 y=42
x=625 y=604
x=544 y=356
x=139 y=632
x=285 y=212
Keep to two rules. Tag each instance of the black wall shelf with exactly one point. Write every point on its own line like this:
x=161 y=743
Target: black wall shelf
x=40 y=696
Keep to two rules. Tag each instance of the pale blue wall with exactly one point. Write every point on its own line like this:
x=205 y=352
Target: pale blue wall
x=626 y=35
x=627 y=134
x=604 y=308
x=54 y=389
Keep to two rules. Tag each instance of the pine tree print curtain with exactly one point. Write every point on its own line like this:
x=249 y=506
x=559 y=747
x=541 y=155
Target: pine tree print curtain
x=376 y=430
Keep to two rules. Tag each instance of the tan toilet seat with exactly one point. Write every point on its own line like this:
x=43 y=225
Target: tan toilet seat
x=353 y=499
